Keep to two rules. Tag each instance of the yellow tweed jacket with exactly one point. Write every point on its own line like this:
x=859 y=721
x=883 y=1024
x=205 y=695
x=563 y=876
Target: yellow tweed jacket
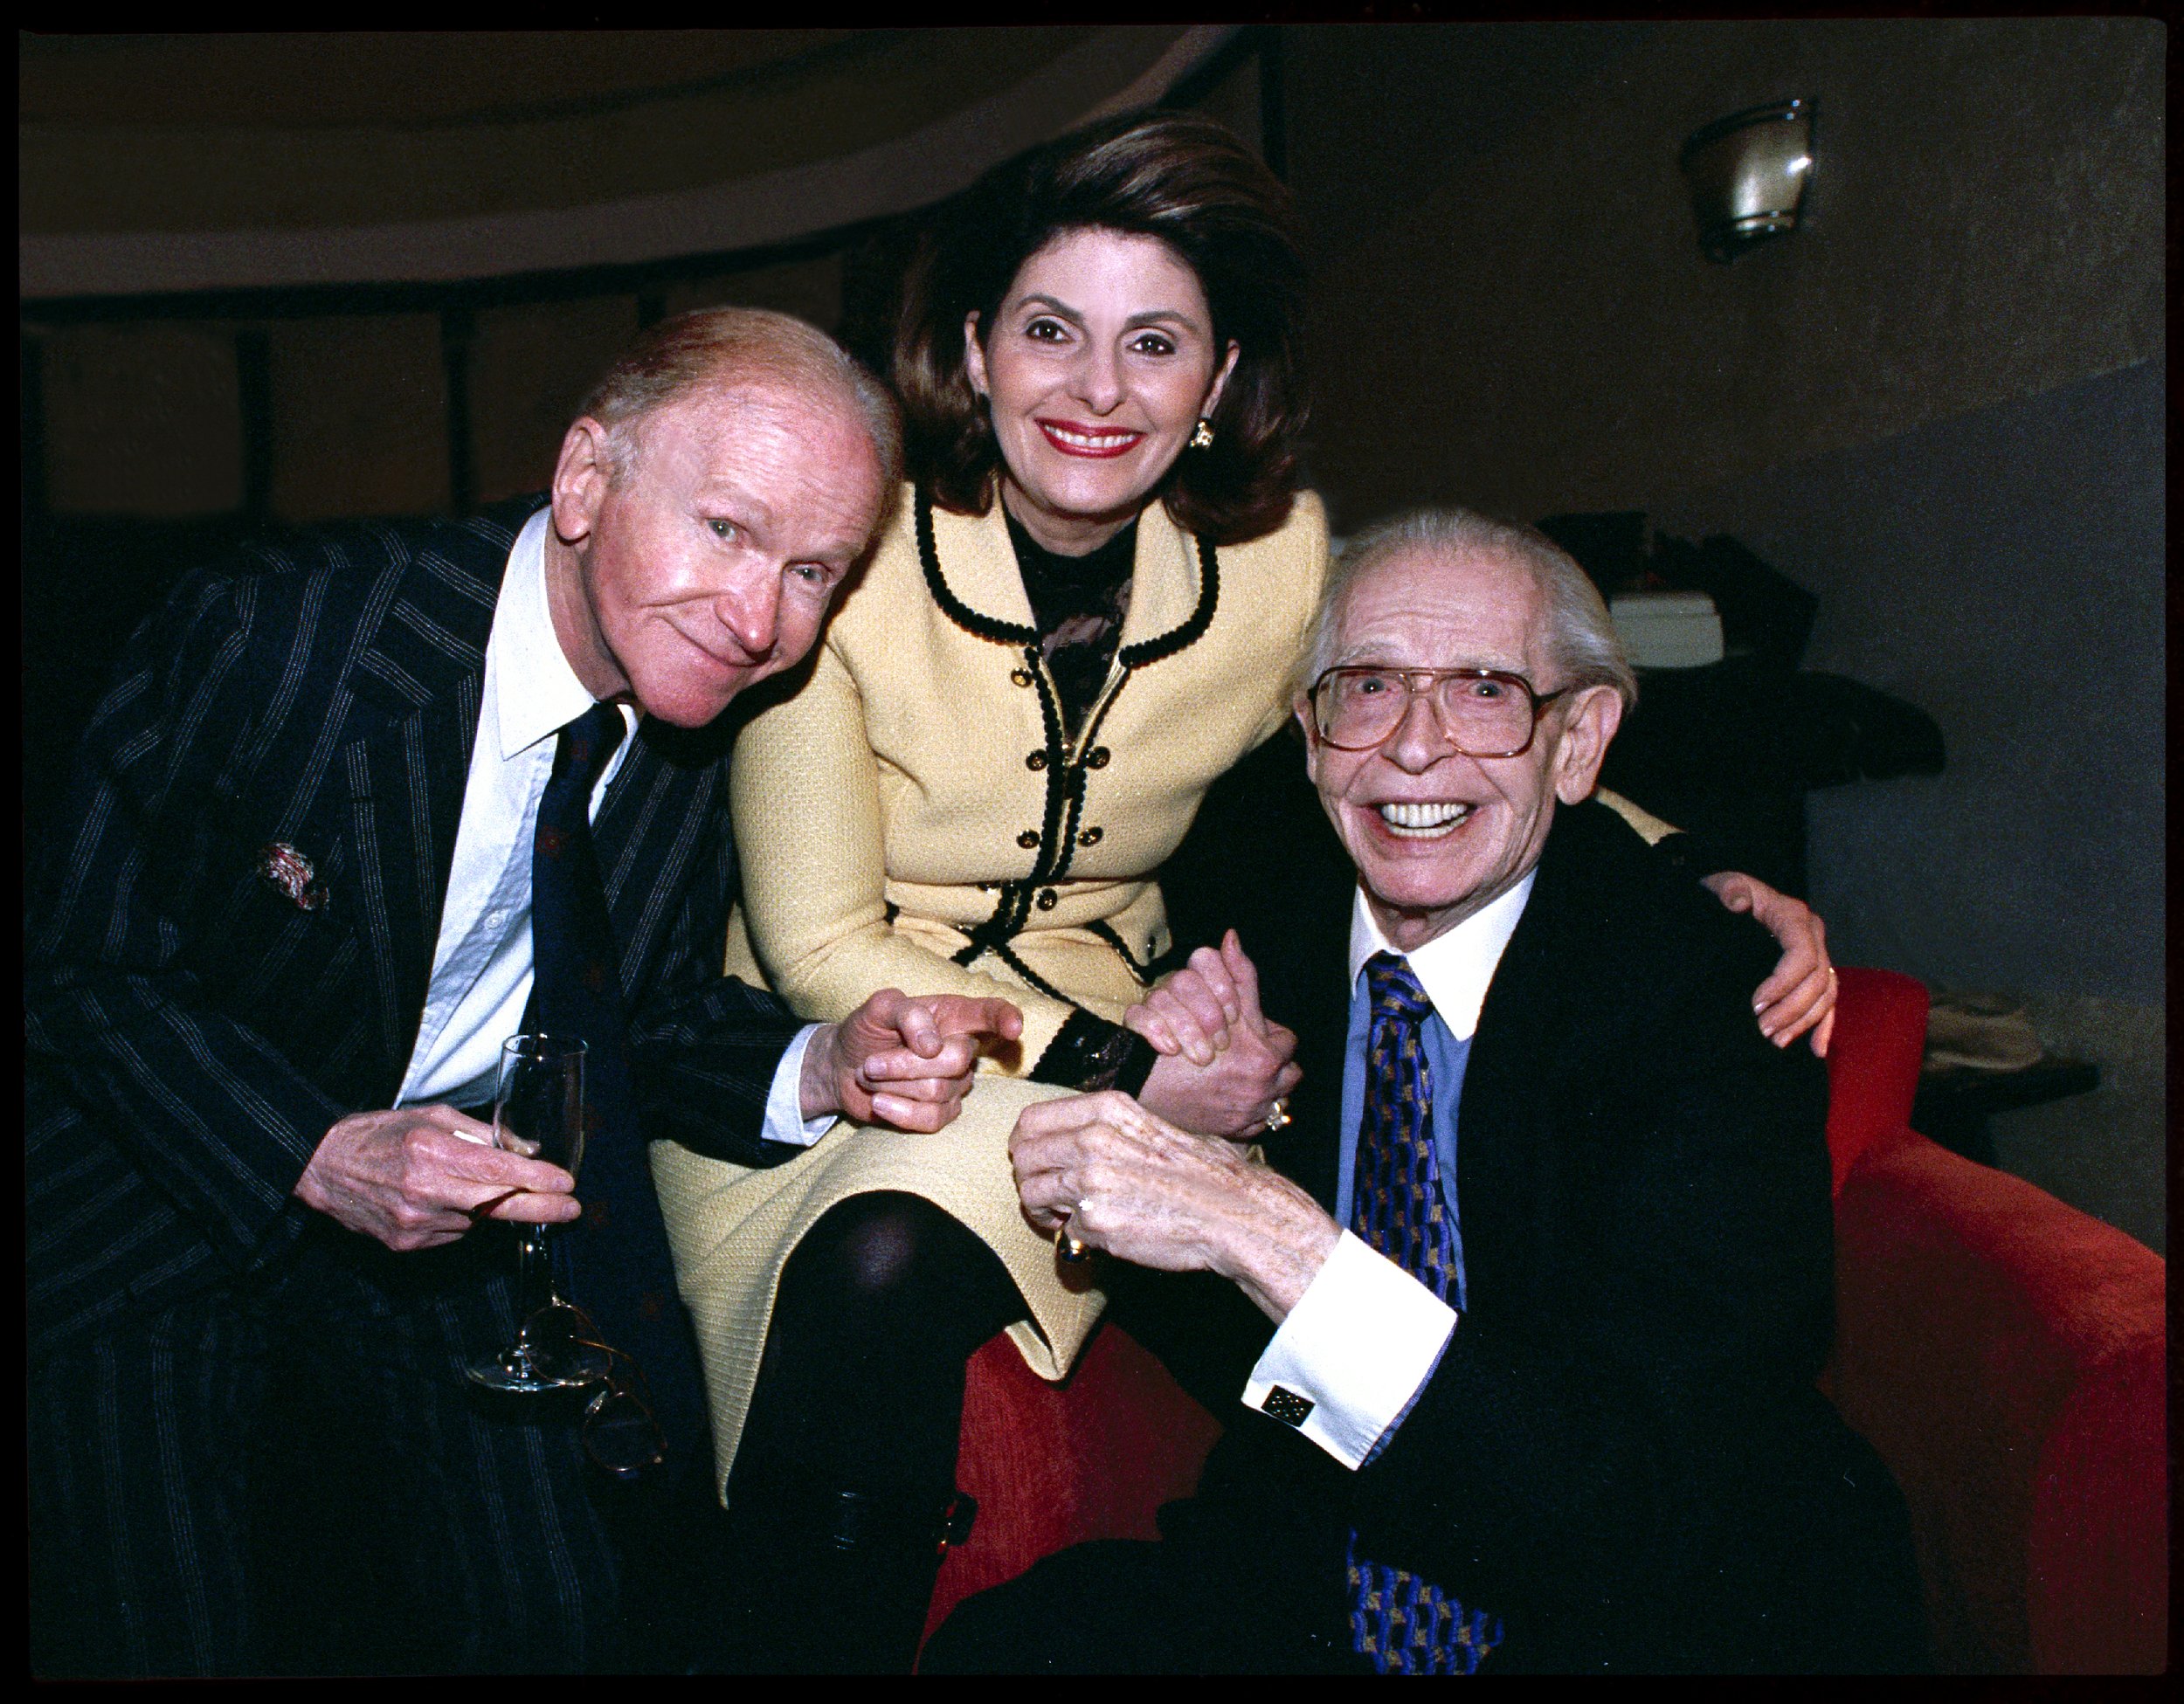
x=913 y=816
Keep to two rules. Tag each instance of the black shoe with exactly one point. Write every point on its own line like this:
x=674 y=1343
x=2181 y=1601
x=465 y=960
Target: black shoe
x=836 y=1581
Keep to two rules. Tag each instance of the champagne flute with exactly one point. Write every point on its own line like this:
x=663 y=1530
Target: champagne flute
x=538 y=1111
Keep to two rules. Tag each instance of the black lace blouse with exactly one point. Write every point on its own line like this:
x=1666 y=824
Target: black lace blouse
x=1078 y=606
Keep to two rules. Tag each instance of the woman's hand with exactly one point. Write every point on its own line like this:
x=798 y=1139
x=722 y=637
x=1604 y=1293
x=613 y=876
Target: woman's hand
x=1191 y=1010
x=1225 y=1064
x=1800 y=995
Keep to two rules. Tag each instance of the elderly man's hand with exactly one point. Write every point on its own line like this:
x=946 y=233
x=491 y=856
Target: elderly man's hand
x=903 y=1061
x=420 y=1177
x=1223 y=1065
x=1124 y=1181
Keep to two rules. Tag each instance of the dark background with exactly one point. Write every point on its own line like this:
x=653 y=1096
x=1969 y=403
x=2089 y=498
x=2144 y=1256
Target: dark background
x=1939 y=407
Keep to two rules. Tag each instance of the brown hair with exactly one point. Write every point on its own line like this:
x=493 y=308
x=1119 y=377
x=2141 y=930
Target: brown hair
x=669 y=360
x=1177 y=176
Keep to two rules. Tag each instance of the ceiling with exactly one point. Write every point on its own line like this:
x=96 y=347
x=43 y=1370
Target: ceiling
x=155 y=162
x=310 y=80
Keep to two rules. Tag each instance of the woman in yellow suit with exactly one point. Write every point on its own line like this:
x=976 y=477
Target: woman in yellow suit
x=1008 y=729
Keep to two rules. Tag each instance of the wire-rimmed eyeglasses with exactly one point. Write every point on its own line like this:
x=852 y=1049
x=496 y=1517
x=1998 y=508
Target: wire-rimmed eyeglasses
x=619 y=1431
x=1482 y=712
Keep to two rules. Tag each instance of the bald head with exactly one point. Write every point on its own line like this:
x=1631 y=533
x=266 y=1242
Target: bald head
x=732 y=349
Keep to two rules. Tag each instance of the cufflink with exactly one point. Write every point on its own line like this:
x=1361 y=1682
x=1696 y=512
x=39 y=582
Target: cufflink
x=1285 y=1405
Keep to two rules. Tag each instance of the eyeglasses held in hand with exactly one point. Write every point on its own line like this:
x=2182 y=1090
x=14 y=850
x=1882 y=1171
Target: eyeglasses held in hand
x=1482 y=713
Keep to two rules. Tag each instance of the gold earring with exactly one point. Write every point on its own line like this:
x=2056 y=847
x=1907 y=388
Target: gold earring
x=1203 y=438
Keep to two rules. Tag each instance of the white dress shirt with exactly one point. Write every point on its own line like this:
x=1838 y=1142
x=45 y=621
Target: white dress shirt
x=481 y=964
x=1350 y=1358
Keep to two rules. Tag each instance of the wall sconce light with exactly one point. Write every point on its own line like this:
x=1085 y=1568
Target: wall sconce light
x=1748 y=174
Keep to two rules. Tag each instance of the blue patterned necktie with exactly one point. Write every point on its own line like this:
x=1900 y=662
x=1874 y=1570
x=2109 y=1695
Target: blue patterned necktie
x=616 y=1261
x=1404 y=1625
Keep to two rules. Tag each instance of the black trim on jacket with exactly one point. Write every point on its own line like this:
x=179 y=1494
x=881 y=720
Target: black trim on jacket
x=1081 y=1056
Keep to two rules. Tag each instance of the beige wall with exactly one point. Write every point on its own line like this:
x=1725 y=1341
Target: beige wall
x=530 y=367
x=141 y=419
x=811 y=289
x=359 y=414
x=1512 y=310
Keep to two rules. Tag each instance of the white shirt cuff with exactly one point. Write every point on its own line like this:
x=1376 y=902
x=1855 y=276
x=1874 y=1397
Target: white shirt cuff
x=1353 y=1353
x=784 y=1100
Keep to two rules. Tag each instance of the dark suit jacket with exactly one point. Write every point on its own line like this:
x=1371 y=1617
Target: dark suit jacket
x=1622 y=1450
x=193 y=1030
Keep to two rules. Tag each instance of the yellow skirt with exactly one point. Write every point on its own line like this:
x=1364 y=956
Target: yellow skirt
x=733 y=1229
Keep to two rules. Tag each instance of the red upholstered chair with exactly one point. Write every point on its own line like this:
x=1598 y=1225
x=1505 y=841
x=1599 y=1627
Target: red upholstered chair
x=1053 y=1465
x=2003 y=1352
x=2005 y=1355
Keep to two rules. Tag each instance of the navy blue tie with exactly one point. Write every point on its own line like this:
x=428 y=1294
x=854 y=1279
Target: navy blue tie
x=616 y=1268
x=1404 y=1625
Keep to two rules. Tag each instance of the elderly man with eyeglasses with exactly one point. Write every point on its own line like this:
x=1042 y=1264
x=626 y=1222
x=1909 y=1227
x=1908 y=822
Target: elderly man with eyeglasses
x=1547 y=1247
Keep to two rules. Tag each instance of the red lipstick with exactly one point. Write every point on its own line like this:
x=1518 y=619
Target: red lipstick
x=1101 y=443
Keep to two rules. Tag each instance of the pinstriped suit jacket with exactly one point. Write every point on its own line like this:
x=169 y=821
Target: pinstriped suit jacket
x=193 y=1031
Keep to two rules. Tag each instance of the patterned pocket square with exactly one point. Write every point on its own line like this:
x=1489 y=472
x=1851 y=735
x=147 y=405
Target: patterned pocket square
x=291 y=873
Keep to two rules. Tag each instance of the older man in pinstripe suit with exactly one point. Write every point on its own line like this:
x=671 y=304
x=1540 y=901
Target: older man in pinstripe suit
x=274 y=948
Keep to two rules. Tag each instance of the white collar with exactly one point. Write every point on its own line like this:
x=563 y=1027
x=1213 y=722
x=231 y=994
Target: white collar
x=1455 y=967
x=535 y=691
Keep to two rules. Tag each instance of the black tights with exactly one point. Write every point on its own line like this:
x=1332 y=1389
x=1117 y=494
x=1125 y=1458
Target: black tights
x=848 y=1457
x=860 y=1387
